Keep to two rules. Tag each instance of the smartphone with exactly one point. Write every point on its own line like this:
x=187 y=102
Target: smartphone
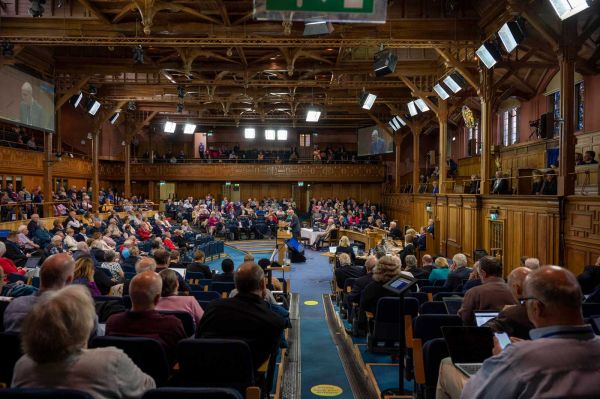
x=502 y=339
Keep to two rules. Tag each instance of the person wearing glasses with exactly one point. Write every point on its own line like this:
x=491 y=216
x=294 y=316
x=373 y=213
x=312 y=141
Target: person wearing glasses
x=560 y=361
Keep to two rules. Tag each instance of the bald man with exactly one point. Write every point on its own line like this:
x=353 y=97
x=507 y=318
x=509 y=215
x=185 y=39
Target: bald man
x=55 y=273
x=513 y=319
x=30 y=111
x=143 y=320
x=245 y=316
x=561 y=361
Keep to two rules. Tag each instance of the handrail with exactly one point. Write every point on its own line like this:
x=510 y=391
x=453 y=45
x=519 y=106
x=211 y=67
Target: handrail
x=269 y=161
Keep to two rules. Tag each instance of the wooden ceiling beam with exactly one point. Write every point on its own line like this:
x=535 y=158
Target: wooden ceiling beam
x=71 y=92
x=415 y=91
x=94 y=11
x=471 y=80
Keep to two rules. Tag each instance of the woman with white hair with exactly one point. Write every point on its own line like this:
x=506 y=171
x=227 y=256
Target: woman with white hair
x=388 y=268
x=54 y=337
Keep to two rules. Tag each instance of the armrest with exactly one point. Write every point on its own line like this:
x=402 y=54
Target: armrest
x=252 y=393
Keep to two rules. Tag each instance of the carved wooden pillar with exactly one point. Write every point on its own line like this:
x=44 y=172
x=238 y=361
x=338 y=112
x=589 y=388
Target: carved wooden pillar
x=59 y=131
x=397 y=163
x=486 y=98
x=127 y=161
x=442 y=116
x=151 y=191
x=95 y=171
x=566 y=58
x=416 y=158
x=47 y=180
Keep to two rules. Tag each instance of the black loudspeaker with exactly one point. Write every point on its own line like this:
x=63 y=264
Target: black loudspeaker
x=472 y=147
x=479 y=253
x=546 y=129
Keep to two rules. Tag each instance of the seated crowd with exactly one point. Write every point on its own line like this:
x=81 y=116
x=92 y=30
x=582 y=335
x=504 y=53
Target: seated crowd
x=538 y=307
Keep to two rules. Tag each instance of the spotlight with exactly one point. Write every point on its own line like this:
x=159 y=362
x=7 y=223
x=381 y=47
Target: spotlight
x=367 y=100
x=92 y=90
x=384 y=63
x=170 y=127
x=317 y=27
x=189 y=128
x=441 y=92
x=131 y=106
x=7 y=49
x=36 y=10
x=399 y=120
x=396 y=123
x=512 y=34
x=179 y=108
x=76 y=99
x=421 y=105
x=566 y=8
x=489 y=54
x=180 y=91
x=168 y=76
x=138 y=55
x=114 y=118
x=412 y=108
x=92 y=107
x=313 y=114
x=454 y=81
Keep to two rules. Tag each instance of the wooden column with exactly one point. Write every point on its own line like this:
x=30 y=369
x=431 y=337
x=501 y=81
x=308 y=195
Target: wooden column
x=398 y=140
x=151 y=191
x=95 y=171
x=442 y=116
x=59 y=131
x=47 y=178
x=127 y=161
x=416 y=159
x=486 y=98
x=566 y=58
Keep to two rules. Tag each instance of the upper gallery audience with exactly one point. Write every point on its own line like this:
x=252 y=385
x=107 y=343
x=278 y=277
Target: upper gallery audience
x=561 y=358
x=589 y=158
x=169 y=300
x=500 y=184
x=459 y=271
x=492 y=294
x=56 y=272
x=513 y=319
x=55 y=335
x=246 y=316
x=143 y=320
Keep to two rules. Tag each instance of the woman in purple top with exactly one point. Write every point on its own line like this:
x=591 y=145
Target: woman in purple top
x=84 y=274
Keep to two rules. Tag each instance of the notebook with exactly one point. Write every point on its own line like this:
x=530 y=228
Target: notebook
x=468 y=347
x=483 y=316
x=453 y=304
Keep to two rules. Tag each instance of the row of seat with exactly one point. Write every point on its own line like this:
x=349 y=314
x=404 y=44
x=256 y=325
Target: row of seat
x=159 y=393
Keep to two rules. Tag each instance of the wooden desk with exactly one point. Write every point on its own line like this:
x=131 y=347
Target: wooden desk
x=369 y=238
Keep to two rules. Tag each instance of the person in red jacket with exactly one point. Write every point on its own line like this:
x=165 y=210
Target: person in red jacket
x=8 y=265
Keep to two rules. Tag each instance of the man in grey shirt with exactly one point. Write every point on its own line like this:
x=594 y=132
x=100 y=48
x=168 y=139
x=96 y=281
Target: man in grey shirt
x=56 y=272
x=561 y=361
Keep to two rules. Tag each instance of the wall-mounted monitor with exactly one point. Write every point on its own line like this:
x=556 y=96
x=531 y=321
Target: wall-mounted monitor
x=374 y=141
x=26 y=100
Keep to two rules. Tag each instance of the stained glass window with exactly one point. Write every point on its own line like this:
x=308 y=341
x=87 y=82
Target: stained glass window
x=579 y=91
x=510 y=126
x=555 y=100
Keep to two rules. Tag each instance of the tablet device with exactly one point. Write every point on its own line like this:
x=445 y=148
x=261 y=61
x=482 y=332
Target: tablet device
x=400 y=284
x=32 y=262
x=483 y=316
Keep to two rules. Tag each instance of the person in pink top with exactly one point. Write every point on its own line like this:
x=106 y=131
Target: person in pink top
x=213 y=220
x=169 y=300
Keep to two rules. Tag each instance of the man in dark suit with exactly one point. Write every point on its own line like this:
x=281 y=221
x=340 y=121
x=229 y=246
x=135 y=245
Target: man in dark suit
x=30 y=111
x=14 y=252
x=427 y=264
x=500 y=184
x=590 y=278
x=246 y=316
x=294 y=223
x=395 y=232
x=473 y=185
x=198 y=265
x=458 y=272
x=227 y=276
x=359 y=285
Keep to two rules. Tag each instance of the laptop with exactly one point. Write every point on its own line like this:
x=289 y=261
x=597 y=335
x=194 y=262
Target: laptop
x=468 y=347
x=332 y=250
x=453 y=304
x=32 y=262
x=483 y=316
x=181 y=271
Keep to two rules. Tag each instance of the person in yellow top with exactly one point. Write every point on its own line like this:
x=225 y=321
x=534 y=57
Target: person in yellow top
x=107 y=206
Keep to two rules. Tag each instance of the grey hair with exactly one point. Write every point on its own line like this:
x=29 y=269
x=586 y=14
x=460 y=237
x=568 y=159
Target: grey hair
x=2 y=248
x=144 y=264
x=532 y=263
x=460 y=260
x=410 y=261
x=344 y=259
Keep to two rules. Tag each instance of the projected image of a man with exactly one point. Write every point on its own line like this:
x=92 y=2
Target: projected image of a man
x=30 y=111
x=377 y=143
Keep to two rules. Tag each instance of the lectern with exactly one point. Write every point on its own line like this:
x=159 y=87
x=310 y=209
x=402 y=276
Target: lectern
x=282 y=235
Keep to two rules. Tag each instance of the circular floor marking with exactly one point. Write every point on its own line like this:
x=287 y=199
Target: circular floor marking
x=311 y=303
x=326 y=390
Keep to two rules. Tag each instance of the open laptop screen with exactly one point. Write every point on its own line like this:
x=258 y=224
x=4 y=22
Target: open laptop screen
x=181 y=271
x=482 y=317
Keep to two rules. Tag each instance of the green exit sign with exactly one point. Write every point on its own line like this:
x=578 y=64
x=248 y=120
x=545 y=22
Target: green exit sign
x=355 y=6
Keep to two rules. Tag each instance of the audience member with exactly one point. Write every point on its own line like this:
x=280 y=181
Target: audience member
x=413 y=268
x=388 y=267
x=7 y=265
x=84 y=274
x=56 y=272
x=199 y=266
x=54 y=338
x=274 y=282
x=170 y=300
x=427 y=264
x=163 y=259
x=441 y=270
x=246 y=316
x=143 y=320
x=588 y=280
x=532 y=263
x=227 y=275
x=492 y=294
x=344 y=247
x=346 y=270
x=459 y=271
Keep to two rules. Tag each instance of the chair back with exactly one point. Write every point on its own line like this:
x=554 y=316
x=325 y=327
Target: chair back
x=429 y=326
x=590 y=309
x=14 y=277
x=147 y=353
x=439 y=283
x=439 y=296
x=431 y=289
x=433 y=308
x=387 y=333
x=222 y=287
x=186 y=319
x=433 y=352
x=50 y=393
x=192 y=393
x=11 y=352
x=205 y=296
x=214 y=362
x=420 y=296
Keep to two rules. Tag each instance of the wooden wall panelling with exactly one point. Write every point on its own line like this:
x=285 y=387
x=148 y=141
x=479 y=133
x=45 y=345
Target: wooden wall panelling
x=469 y=166
x=582 y=232
x=587 y=142
x=454 y=226
x=199 y=189
x=470 y=230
